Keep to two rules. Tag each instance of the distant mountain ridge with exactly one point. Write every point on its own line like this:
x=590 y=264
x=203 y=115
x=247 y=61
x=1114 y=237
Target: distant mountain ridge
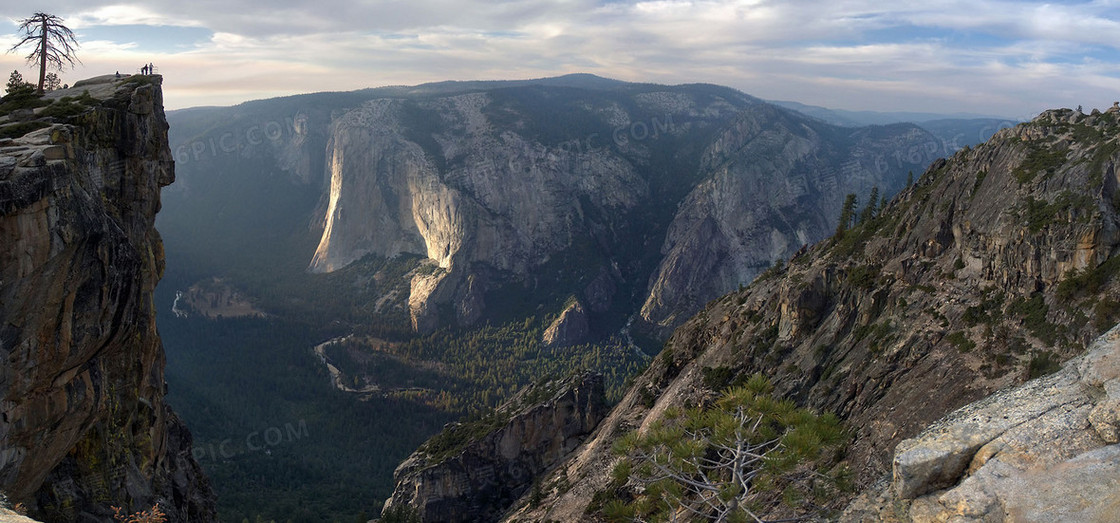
x=848 y=118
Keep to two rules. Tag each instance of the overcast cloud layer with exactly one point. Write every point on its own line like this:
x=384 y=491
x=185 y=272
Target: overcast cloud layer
x=982 y=56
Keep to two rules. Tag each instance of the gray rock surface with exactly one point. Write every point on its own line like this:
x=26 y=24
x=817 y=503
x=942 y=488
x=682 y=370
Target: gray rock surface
x=484 y=187
x=773 y=185
x=1040 y=452
x=8 y=516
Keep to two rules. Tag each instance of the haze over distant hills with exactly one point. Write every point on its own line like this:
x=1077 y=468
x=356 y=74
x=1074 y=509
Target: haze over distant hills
x=856 y=118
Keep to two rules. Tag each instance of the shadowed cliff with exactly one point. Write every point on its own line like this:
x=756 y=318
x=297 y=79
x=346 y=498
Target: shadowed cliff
x=83 y=425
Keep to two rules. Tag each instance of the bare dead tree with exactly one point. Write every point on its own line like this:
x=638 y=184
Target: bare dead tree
x=54 y=43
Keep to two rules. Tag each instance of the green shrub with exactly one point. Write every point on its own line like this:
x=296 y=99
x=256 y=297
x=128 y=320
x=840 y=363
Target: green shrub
x=21 y=100
x=1089 y=281
x=961 y=341
x=1105 y=313
x=1038 y=160
x=716 y=378
x=863 y=276
x=980 y=176
x=686 y=456
x=1042 y=364
x=985 y=313
x=453 y=438
x=22 y=128
x=401 y=514
x=62 y=109
x=774 y=271
x=1034 y=310
x=1041 y=214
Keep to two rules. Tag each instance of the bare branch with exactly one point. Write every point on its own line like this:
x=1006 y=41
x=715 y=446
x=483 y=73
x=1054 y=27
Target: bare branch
x=54 y=43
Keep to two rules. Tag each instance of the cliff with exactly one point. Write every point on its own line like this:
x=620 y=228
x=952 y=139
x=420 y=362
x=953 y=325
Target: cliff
x=474 y=471
x=84 y=426
x=498 y=188
x=997 y=265
x=773 y=183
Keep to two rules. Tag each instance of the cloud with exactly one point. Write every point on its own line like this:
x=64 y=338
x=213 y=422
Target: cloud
x=991 y=56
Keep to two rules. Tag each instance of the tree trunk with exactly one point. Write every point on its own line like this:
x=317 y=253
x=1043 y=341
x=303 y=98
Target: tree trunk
x=43 y=58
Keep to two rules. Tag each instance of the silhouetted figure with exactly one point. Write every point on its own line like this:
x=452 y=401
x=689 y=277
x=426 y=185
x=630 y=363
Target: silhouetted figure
x=118 y=75
x=144 y=69
x=151 y=68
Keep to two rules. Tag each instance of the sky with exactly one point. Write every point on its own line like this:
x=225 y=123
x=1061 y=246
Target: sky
x=1011 y=59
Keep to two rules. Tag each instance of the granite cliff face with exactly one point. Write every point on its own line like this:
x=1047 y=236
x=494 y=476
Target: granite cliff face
x=503 y=199
x=84 y=425
x=995 y=266
x=774 y=183
x=570 y=328
x=475 y=471
x=498 y=199
x=492 y=186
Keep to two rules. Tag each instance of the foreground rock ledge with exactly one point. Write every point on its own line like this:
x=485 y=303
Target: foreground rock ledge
x=1044 y=451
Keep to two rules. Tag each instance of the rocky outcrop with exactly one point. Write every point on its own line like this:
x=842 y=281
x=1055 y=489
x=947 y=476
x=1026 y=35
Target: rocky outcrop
x=569 y=328
x=1044 y=451
x=9 y=516
x=84 y=425
x=474 y=471
x=996 y=265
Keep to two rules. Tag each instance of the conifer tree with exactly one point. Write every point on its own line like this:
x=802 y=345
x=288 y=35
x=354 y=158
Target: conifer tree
x=847 y=213
x=872 y=208
x=52 y=82
x=15 y=83
x=53 y=43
